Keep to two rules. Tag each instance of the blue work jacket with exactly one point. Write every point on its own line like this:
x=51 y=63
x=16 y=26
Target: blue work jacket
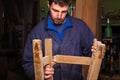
x=77 y=41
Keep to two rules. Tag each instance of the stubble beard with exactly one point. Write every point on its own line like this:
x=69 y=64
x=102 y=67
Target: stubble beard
x=58 y=21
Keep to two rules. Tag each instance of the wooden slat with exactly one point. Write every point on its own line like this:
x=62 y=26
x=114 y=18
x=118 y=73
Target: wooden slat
x=96 y=62
x=72 y=59
x=45 y=60
x=48 y=52
x=37 y=57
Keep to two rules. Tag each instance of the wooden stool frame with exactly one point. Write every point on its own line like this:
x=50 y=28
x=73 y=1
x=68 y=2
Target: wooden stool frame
x=94 y=62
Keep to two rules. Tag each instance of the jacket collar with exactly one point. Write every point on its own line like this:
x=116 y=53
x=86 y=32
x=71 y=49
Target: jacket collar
x=68 y=22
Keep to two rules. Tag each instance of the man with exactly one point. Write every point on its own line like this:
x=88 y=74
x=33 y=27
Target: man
x=70 y=36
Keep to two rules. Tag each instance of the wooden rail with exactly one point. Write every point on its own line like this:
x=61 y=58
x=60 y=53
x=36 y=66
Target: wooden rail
x=94 y=62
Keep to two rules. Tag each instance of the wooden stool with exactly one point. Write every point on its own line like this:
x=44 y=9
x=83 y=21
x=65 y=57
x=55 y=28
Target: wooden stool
x=94 y=62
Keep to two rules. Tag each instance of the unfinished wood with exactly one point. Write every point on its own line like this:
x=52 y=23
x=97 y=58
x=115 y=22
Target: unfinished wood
x=90 y=14
x=79 y=9
x=72 y=59
x=94 y=62
x=94 y=67
x=87 y=10
x=45 y=60
x=48 y=52
x=37 y=57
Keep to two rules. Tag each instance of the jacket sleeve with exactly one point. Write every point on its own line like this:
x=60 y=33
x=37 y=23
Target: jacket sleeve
x=87 y=40
x=28 y=64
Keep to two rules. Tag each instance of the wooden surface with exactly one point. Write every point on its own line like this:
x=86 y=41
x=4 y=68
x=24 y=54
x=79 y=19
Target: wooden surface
x=45 y=60
x=97 y=57
x=37 y=56
x=48 y=52
x=72 y=59
x=94 y=62
x=88 y=11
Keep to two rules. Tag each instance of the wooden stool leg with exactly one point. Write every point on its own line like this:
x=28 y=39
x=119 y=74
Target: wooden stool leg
x=95 y=65
x=37 y=57
x=48 y=52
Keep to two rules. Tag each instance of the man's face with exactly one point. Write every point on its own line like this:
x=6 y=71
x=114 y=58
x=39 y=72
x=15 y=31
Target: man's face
x=58 y=13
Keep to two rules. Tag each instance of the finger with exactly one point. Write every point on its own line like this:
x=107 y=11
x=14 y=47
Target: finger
x=93 y=51
x=47 y=76
x=95 y=40
x=47 y=66
x=48 y=70
x=95 y=45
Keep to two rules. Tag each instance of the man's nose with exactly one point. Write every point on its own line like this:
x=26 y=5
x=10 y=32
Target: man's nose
x=59 y=15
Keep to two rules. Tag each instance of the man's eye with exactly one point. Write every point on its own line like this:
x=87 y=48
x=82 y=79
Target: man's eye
x=55 y=10
x=64 y=12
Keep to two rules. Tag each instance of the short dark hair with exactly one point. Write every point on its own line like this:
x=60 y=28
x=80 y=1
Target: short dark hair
x=60 y=2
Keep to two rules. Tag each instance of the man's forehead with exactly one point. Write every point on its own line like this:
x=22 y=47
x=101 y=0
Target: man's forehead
x=58 y=7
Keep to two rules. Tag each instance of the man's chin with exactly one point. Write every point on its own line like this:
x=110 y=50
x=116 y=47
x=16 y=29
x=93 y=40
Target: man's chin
x=57 y=22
